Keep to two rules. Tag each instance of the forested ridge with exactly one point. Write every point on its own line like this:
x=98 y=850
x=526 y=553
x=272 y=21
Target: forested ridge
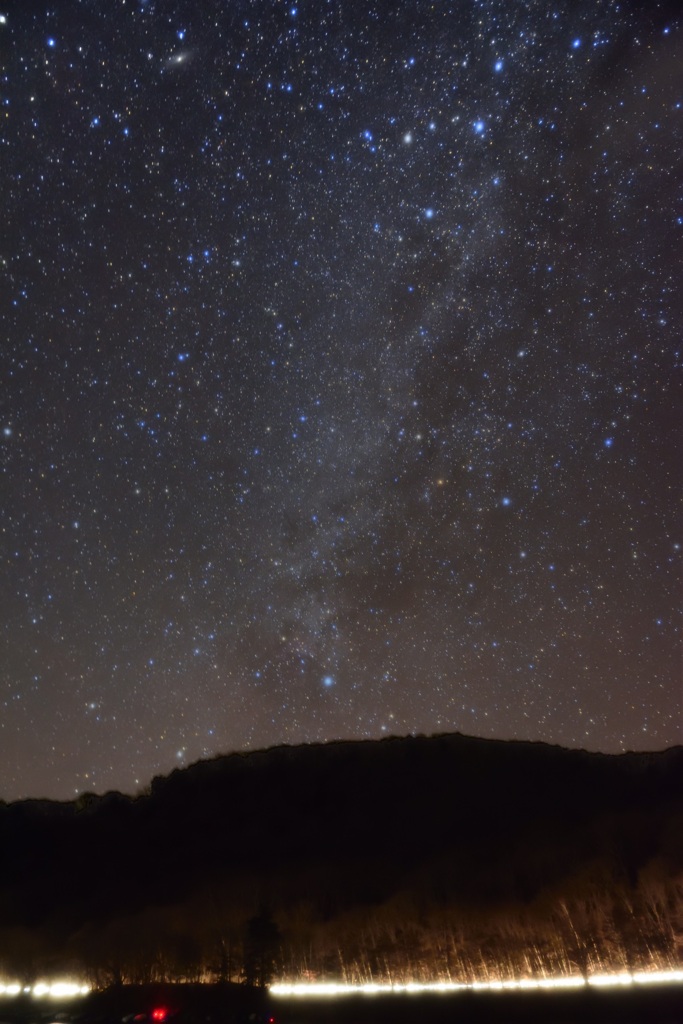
x=443 y=857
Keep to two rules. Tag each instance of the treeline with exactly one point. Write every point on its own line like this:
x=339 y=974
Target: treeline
x=421 y=858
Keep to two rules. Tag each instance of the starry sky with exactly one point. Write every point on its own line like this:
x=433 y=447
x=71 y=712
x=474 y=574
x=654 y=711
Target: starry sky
x=340 y=378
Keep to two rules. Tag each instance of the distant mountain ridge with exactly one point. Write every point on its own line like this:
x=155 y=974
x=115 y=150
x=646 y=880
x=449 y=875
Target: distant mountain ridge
x=449 y=839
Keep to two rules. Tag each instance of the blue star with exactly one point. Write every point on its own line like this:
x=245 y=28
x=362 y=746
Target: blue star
x=576 y=43
x=328 y=680
x=51 y=42
x=429 y=213
x=479 y=127
x=498 y=66
x=608 y=442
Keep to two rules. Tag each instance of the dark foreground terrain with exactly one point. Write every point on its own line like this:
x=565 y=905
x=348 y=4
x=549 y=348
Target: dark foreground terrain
x=212 y=1004
x=414 y=858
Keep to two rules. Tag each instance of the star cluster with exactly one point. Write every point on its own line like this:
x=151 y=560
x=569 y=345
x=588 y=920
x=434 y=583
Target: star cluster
x=341 y=379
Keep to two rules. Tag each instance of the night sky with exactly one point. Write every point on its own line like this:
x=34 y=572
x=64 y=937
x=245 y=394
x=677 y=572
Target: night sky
x=340 y=378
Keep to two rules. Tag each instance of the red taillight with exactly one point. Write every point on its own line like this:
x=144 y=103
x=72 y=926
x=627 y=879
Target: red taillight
x=160 y=1014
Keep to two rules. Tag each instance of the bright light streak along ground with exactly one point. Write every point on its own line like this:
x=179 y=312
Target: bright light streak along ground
x=59 y=989
x=54 y=989
x=524 y=984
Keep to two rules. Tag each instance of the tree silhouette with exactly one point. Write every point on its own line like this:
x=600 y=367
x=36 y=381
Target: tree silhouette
x=262 y=947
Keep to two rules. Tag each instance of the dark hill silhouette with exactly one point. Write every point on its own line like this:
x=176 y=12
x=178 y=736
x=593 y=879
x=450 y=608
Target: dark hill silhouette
x=406 y=856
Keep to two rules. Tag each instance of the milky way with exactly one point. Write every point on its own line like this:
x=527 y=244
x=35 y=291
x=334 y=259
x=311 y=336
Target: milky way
x=341 y=378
